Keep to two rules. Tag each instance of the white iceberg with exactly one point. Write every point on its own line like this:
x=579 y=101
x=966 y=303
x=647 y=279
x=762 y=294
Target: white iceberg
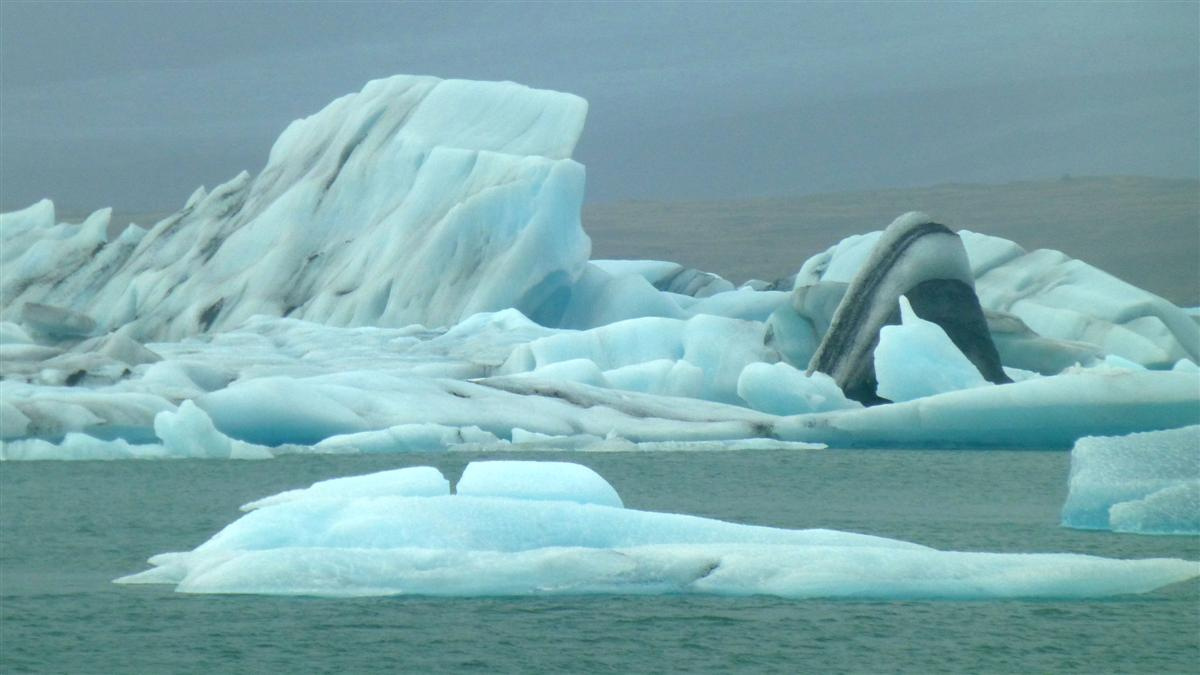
x=780 y=389
x=408 y=273
x=284 y=382
x=1147 y=483
x=414 y=200
x=917 y=359
x=186 y=433
x=528 y=528
x=1041 y=412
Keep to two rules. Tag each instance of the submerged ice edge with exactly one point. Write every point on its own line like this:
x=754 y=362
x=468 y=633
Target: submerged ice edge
x=525 y=527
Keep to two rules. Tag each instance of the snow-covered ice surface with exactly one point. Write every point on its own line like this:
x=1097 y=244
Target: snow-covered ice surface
x=408 y=273
x=524 y=528
x=1147 y=483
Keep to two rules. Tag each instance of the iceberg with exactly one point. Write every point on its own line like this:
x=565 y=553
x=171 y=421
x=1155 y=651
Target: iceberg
x=186 y=433
x=780 y=389
x=1047 y=412
x=1065 y=302
x=1147 y=483
x=701 y=357
x=555 y=528
x=408 y=273
x=917 y=359
x=416 y=200
x=292 y=384
x=926 y=262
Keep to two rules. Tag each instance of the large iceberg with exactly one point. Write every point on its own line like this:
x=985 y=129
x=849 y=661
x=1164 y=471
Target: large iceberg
x=416 y=200
x=554 y=528
x=408 y=273
x=1147 y=483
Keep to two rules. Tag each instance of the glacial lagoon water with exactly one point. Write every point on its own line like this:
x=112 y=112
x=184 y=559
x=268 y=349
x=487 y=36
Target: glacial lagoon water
x=68 y=528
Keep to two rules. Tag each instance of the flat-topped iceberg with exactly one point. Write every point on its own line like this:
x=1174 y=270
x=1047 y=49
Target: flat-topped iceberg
x=1147 y=483
x=525 y=528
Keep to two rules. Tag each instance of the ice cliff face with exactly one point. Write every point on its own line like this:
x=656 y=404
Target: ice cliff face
x=416 y=200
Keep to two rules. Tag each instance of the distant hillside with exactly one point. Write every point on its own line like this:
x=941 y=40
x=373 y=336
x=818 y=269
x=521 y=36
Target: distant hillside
x=1143 y=230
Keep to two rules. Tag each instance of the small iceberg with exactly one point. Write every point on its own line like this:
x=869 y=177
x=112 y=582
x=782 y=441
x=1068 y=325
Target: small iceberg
x=531 y=528
x=1147 y=483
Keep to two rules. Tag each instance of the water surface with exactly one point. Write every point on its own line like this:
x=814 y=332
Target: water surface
x=68 y=528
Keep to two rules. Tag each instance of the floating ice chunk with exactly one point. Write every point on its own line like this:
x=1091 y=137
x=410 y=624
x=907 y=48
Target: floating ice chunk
x=555 y=481
x=406 y=438
x=413 y=481
x=330 y=540
x=1171 y=510
x=186 y=433
x=189 y=432
x=1146 y=482
x=917 y=359
x=275 y=410
x=77 y=446
x=717 y=346
x=1039 y=412
x=780 y=389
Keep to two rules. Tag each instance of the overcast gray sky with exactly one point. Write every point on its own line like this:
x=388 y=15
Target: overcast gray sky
x=133 y=105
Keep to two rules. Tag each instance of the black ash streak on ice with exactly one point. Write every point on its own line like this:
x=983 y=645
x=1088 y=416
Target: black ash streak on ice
x=847 y=350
